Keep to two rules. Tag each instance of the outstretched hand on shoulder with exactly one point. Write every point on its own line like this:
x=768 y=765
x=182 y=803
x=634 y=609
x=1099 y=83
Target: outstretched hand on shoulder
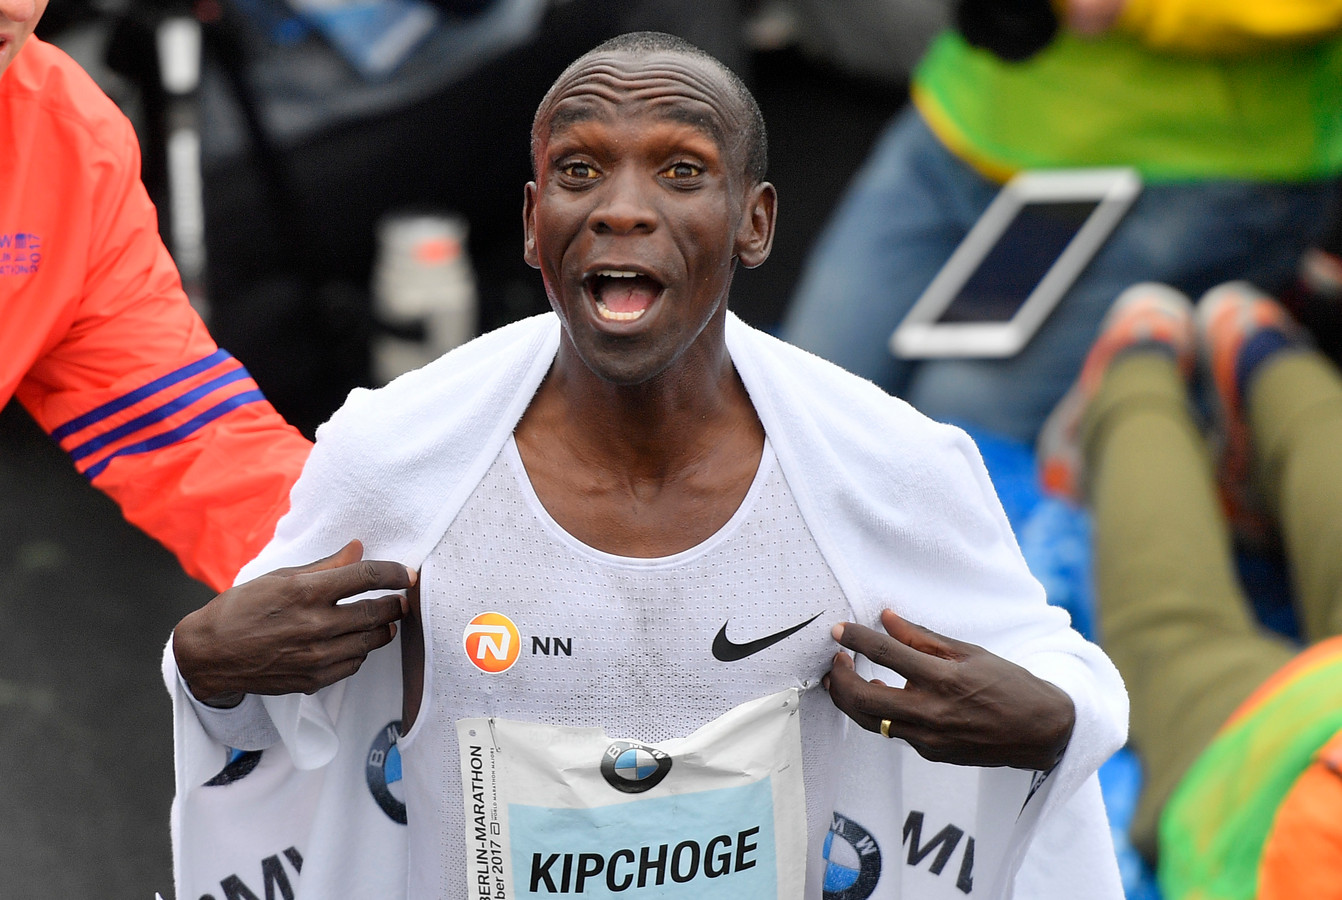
x=286 y=632
x=961 y=704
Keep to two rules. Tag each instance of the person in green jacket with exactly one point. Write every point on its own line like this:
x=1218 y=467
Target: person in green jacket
x=1230 y=111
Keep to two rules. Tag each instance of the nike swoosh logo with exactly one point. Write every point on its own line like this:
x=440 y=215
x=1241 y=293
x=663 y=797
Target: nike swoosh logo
x=727 y=650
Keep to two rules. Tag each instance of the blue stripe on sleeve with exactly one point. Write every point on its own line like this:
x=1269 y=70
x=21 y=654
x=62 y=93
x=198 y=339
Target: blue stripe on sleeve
x=154 y=416
x=135 y=396
x=182 y=431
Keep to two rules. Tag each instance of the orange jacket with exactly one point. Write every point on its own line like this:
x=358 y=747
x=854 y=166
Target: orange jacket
x=1303 y=853
x=99 y=343
x=1255 y=816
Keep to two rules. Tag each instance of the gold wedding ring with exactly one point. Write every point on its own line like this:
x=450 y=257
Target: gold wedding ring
x=885 y=728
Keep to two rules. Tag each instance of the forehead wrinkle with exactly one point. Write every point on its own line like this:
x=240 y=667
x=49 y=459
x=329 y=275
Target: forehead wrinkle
x=632 y=71
x=566 y=116
x=604 y=79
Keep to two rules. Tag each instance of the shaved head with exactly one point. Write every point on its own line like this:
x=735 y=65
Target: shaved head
x=752 y=145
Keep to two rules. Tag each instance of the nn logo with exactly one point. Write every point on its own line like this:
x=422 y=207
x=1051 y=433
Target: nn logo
x=492 y=642
x=275 y=884
x=541 y=646
x=943 y=844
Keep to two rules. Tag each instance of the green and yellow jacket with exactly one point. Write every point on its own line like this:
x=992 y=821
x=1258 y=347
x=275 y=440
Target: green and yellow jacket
x=1183 y=90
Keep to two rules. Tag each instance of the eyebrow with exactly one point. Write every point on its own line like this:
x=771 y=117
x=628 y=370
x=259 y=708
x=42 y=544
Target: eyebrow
x=710 y=125
x=563 y=118
x=576 y=114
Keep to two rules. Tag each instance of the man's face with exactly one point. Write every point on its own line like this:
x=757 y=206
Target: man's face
x=18 y=18
x=640 y=207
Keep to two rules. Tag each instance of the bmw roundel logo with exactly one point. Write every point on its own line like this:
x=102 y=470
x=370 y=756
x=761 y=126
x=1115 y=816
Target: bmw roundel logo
x=634 y=768
x=240 y=764
x=852 y=861
x=383 y=769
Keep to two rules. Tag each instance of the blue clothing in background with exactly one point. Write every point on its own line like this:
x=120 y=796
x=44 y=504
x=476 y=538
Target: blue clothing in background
x=1055 y=540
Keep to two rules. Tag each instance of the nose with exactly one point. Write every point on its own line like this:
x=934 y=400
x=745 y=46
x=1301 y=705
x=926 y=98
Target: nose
x=18 y=10
x=624 y=206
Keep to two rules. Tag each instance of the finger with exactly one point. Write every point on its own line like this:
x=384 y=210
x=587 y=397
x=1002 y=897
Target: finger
x=346 y=555
x=842 y=675
x=359 y=644
x=366 y=615
x=329 y=675
x=924 y=640
x=329 y=586
x=341 y=653
x=840 y=659
x=885 y=650
x=324 y=664
x=865 y=702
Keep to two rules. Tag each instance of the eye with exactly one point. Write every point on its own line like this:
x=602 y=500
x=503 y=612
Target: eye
x=682 y=170
x=580 y=170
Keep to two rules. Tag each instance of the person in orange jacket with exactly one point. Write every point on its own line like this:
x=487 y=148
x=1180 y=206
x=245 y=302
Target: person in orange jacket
x=102 y=348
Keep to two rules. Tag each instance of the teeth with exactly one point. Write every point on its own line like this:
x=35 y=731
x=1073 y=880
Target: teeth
x=611 y=316
x=617 y=273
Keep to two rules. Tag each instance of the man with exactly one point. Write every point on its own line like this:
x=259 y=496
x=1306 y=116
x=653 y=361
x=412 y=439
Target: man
x=101 y=347
x=640 y=517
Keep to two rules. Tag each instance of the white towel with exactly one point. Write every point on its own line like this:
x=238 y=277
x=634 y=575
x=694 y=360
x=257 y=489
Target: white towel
x=900 y=506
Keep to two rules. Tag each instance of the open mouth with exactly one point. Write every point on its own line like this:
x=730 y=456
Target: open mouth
x=622 y=295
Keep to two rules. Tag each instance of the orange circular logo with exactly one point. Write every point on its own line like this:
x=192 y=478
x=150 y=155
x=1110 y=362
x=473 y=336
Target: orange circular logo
x=492 y=642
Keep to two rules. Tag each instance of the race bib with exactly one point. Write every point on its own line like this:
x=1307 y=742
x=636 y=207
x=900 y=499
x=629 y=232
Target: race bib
x=556 y=811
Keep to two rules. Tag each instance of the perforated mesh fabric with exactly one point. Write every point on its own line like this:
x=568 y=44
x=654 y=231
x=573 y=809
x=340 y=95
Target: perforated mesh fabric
x=612 y=642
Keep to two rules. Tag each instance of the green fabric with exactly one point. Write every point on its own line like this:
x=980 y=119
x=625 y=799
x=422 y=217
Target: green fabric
x=1274 y=116
x=1215 y=825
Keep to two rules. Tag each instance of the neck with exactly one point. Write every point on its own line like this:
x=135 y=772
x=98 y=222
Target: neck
x=641 y=470
x=647 y=428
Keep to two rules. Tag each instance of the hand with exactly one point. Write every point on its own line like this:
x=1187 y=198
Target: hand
x=1092 y=18
x=284 y=633
x=961 y=704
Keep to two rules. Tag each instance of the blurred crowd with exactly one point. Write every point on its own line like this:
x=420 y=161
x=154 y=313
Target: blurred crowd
x=312 y=132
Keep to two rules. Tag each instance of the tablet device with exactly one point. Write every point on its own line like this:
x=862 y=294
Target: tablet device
x=1015 y=264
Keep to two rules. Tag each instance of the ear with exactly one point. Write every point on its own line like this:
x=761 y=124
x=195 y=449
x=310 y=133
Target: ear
x=755 y=238
x=529 y=226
